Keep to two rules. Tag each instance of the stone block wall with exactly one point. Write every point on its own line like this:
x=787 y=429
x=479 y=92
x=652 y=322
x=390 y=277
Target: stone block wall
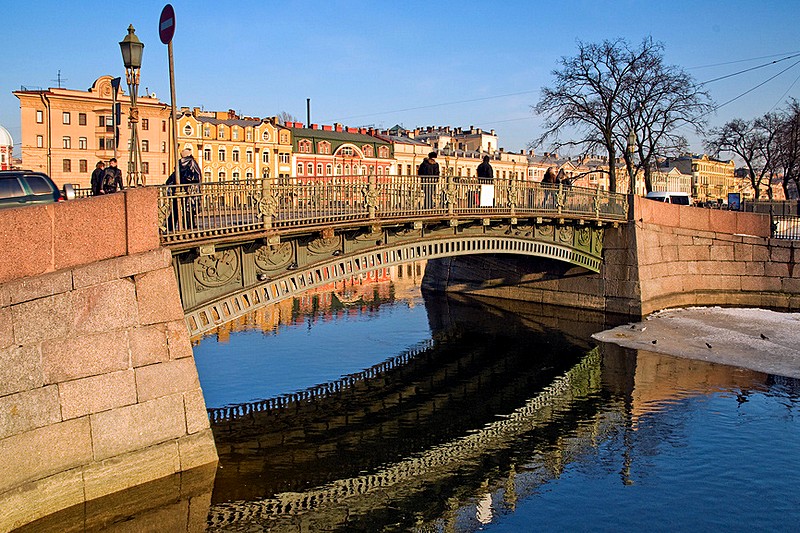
x=98 y=387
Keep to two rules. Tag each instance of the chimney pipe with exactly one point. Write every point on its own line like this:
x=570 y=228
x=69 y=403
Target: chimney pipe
x=308 y=110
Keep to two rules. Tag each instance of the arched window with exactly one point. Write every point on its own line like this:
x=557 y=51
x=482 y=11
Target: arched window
x=299 y=169
x=328 y=169
x=346 y=170
x=310 y=169
x=338 y=169
x=235 y=175
x=221 y=175
x=319 y=169
x=367 y=149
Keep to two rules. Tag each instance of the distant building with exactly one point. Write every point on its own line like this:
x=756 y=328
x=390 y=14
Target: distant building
x=321 y=151
x=66 y=131
x=6 y=149
x=712 y=179
x=672 y=180
x=231 y=148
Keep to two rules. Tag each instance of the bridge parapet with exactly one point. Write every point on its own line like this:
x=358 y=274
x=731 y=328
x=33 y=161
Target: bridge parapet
x=98 y=388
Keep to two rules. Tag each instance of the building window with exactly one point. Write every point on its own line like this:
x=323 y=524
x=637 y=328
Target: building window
x=383 y=151
x=66 y=142
x=81 y=119
x=367 y=149
x=299 y=169
x=221 y=175
x=83 y=143
x=207 y=153
x=347 y=150
x=145 y=124
x=284 y=158
x=164 y=168
x=304 y=146
x=39 y=116
x=235 y=175
x=235 y=134
x=145 y=167
x=265 y=157
x=188 y=130
x=310 y=169
x=67 y=165
x=328 y=169
x=145 y=145
x=249 y=174
x=319 y=169
x=338 y=169
x=235 y=155
x=65 y=117
x=221 y=131
x=164 y=125
x=347 y=170
x=249 y=156
x=324 y=147
x=249 y=134
x=206 y=131
x=221 y=154
x=284 y=137
x=163 y=147
x=83 y=165
x=39 y=141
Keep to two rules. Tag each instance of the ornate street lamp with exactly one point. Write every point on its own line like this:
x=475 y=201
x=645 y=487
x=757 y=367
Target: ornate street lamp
x=132 y=49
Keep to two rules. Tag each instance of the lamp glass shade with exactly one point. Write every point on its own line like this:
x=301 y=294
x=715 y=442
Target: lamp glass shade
x=132 y=49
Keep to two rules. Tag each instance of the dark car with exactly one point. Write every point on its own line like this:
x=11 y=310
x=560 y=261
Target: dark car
x=26 y=187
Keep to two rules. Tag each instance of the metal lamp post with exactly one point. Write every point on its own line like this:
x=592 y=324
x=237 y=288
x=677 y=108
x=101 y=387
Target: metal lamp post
x=132 y=49
x=631 y=150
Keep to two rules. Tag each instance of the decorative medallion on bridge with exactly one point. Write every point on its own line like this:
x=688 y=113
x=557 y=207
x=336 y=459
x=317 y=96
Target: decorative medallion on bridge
x=272 y=258
x=217 y=269
x=584 y=237
x=324 y=245
x=370 y=196
x=545 y=232
x=597 y=247
x=525 y=231
x=267 y=206
x=566 y=234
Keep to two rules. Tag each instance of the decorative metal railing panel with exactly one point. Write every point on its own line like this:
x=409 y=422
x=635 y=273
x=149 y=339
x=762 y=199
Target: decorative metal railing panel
x=205 y=212
x=786 y=227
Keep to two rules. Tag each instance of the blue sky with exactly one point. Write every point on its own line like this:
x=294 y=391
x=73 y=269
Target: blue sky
x=382 y=63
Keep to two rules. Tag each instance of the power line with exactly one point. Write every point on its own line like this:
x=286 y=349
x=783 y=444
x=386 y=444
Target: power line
x=743 y=60
x=437 y=105
x=757 y=86
x=784 y=94
x=750 y=69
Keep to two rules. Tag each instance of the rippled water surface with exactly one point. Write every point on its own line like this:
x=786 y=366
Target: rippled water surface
x=511 y=421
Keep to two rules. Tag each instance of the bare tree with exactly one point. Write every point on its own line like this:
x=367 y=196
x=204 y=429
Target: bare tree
x=788 y=157
x=285 y=116
x=610 y=89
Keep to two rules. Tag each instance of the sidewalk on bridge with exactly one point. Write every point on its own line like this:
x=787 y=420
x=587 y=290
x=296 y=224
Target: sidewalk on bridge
x=756 y=339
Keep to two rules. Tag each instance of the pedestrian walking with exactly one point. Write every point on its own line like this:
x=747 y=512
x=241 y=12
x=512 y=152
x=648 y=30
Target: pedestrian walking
x=429 y=176
x=97 y=178
x=112 y=177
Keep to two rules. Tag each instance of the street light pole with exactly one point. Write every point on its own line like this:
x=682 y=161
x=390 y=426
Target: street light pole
x=132 y=48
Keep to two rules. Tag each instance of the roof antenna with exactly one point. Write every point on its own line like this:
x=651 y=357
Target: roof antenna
x=59 y=79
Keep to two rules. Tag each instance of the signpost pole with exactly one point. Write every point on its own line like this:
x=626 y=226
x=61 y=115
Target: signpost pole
x=175 y=144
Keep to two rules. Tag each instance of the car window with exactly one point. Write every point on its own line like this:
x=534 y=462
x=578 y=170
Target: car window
x=38 y=185
x=10 y=188
x=681 y=200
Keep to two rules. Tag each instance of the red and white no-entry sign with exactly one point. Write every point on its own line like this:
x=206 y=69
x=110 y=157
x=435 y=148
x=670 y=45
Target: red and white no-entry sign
x=166 y=24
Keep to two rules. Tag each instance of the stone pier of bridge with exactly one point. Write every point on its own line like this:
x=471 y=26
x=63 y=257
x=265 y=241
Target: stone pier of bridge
x=98 y=386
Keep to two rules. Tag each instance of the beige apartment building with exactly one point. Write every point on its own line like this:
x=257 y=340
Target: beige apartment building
x=230 y=148
x=712 y=179
x=65 y=132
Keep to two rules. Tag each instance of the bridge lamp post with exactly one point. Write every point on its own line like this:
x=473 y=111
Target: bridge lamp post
x=132 y=49
x=631 y=150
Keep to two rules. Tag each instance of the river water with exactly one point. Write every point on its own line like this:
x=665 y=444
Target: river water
x=369 y=406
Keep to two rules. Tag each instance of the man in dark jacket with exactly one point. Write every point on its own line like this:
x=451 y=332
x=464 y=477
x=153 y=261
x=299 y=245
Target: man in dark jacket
x=97 y=178
x=187 y=197
x=485 y=170
x=429 y=176
x=112 y=177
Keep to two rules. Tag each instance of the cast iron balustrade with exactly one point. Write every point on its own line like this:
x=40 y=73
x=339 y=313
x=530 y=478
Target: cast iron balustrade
x=214 y=210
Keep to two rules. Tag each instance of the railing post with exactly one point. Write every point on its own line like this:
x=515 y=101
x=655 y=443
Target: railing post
x=372 y=192
x=450 y=194
x=266 y=208
x=561 y=197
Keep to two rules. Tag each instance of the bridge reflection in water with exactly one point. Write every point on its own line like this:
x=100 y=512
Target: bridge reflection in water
x=502 y=398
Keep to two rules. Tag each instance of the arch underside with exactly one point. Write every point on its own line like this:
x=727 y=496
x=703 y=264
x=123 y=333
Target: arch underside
x=207 y=317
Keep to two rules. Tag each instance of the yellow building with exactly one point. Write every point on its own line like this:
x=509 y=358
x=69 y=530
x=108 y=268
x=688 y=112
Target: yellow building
x=230 y=148
x=65 y=132
x=712 y=179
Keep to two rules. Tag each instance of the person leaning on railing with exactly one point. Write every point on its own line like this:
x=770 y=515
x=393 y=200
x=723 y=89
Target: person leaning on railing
x=429 y=176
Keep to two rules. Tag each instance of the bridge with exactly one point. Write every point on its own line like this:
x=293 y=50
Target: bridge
x=241 y=245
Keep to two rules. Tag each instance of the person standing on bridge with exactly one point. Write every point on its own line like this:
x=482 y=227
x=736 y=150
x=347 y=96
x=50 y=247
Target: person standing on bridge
x=485 y=178
x=97 y=178
x=549 y=182
x=429 y=176
x=189 y=196
x=112 y=177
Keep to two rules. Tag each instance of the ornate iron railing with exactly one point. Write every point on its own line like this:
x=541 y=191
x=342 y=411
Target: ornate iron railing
x=786 y=227
x=211 y=210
